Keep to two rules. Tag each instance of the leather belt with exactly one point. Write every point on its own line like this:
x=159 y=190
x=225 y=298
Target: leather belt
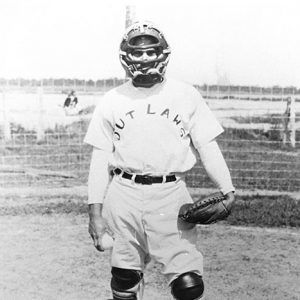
x=145 y=179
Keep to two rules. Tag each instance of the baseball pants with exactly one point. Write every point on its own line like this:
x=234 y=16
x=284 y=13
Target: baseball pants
x=144 y=222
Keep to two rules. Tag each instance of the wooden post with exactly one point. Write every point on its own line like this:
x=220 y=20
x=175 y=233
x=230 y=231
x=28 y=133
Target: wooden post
x=5 y=114
x=130 y=15
x=289 y=132
x=40 y=126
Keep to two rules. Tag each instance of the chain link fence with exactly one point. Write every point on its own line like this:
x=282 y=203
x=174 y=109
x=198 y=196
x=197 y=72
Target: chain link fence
x=41 y=144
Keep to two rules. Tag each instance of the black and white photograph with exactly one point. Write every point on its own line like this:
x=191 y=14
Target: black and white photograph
x=149 y=150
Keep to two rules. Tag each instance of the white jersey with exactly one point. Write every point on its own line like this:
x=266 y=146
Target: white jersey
x=152 y=130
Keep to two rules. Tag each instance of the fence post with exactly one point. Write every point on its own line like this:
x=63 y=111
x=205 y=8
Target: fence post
x=5 y=114
x=289 y=132
x=261 y=93
x=40 y=126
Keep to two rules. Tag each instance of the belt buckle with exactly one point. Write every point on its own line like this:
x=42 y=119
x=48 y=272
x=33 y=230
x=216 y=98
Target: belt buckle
x=146 y=179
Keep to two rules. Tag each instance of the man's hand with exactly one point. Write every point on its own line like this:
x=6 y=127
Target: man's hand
x=229 y=201
x=97 y=225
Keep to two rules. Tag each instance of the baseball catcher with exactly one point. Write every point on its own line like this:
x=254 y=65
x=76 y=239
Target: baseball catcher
x=147 y=133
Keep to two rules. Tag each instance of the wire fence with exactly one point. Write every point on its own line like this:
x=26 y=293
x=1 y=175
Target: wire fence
x=41 y=144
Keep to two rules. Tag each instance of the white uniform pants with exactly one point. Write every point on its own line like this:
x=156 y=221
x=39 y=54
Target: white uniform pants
x=143 y=219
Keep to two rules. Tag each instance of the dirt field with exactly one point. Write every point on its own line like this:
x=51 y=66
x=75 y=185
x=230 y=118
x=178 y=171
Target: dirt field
x=46 y=253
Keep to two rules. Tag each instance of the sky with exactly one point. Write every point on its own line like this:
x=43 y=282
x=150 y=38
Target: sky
x=242 y=42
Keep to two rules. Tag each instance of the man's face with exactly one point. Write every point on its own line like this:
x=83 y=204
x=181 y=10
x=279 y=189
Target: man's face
x=144 y=58
x=145 y=54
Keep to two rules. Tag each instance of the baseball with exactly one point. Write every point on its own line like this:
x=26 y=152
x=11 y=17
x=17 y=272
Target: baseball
x=107 y=241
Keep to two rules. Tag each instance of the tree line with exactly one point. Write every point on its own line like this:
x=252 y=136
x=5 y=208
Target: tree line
x=114 y=81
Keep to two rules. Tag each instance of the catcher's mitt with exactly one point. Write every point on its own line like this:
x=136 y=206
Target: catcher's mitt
x=205 y=211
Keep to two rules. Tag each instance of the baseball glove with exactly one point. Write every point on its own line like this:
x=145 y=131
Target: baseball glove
x=205 y=211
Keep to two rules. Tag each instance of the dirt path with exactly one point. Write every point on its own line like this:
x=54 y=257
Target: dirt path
x=51 y=257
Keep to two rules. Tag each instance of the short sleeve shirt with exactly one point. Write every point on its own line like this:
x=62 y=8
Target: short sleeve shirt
x=153 y=130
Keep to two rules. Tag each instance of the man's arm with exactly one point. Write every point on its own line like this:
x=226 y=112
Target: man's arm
x=98 y=176
x=97 y=186
x=216 y=168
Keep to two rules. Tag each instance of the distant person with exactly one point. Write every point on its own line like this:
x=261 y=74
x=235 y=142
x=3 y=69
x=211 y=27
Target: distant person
x=71 y=100
x=70 y=104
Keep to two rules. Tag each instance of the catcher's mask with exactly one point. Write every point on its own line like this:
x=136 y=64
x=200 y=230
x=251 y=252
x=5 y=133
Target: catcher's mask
x=144 y=54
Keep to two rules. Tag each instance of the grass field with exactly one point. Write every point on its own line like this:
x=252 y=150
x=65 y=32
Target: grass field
x=46 y=252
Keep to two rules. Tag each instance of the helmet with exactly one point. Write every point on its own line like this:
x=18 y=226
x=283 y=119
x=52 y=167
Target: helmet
x=149 y=68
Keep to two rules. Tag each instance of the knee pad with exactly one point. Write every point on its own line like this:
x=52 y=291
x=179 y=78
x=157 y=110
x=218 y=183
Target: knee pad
x=187 y=286
x=126 y=284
